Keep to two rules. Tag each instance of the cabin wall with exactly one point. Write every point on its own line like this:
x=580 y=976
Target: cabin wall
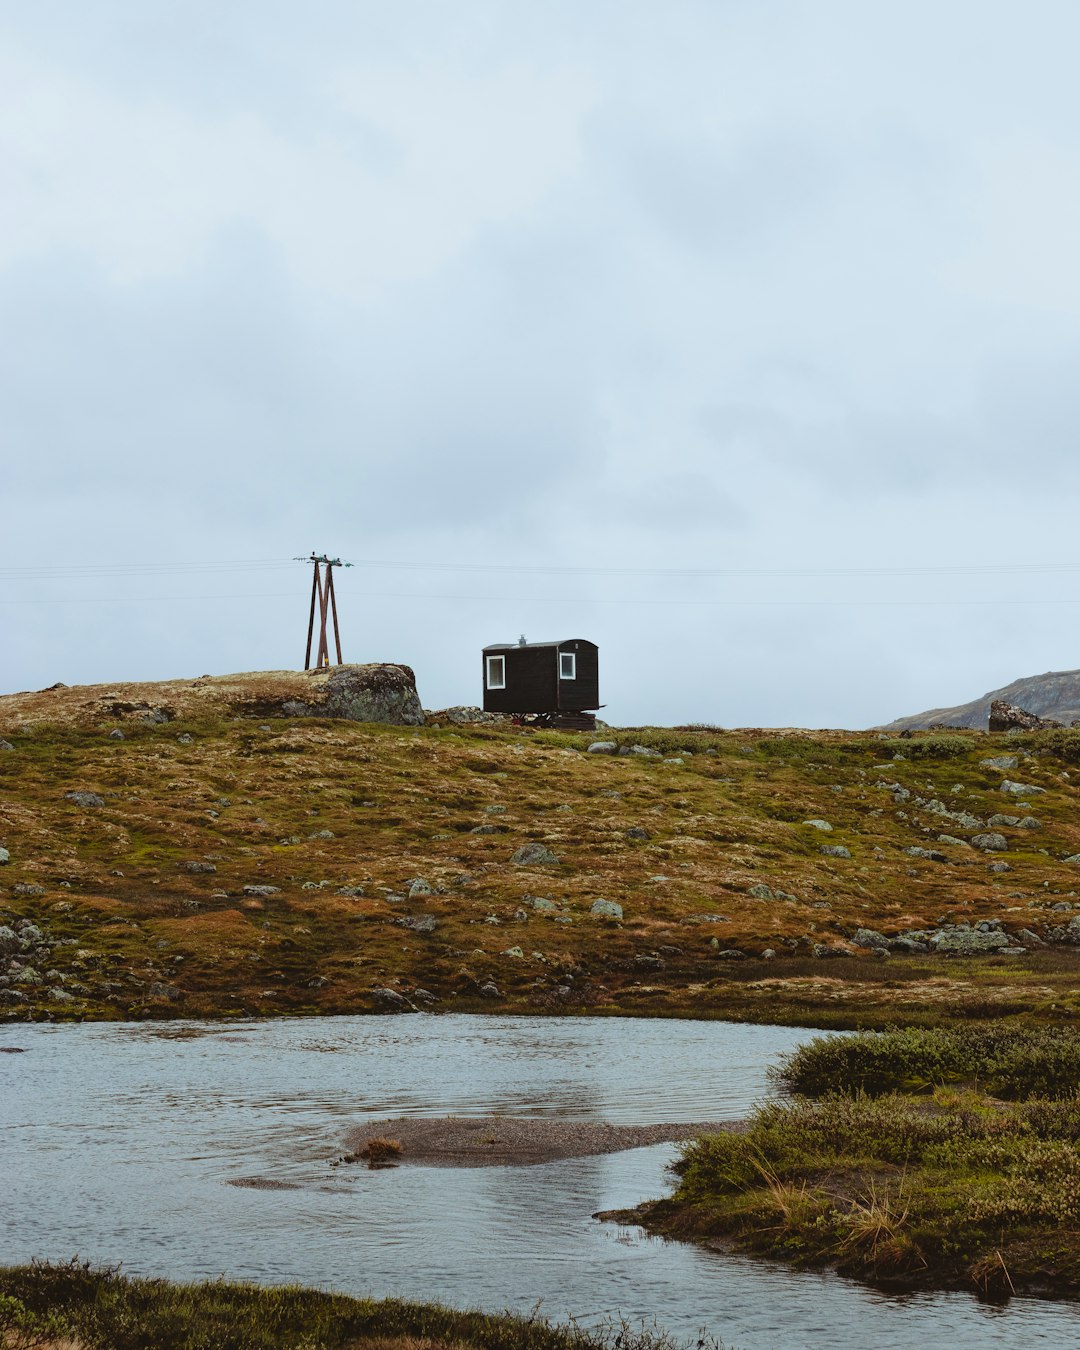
x=584 y=692
x=530 y=681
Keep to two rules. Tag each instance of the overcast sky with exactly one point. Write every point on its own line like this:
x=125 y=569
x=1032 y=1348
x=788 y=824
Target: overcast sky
x=784 y=291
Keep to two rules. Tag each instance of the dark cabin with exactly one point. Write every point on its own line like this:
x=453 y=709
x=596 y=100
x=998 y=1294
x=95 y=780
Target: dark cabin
x=553 y=683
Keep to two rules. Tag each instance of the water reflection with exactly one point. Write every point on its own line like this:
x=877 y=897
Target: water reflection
x=121 y=1142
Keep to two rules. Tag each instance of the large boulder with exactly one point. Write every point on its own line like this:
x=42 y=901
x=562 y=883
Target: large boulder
x=968 y=941
x=375 y=693
x=1011 y=717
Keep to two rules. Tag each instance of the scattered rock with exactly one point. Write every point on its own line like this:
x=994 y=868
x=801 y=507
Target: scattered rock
x=116 y=734
x=644 y=751
x=1002 y=762
x=952 y=839
x=390 y=1001
x=1010 y=822
x=991 y=843
x=322 y=834
x=198 y=868
x=915 y=851
x=262 y=890
x=835 y=851
x=84 y=799
x=5 y=745
x=168 y=991
x=602 y=748
x=968 y=941
x=531 y=855
x=1012 y=789
x=608 y=909
x=9 y=942
x=515 y=952
x=5 y=857
x=489 y=989
x=419 y=887
x=819 y=824
x=419 y=923
x=27 y=888
x=871 y=939
x=759 y=891
x=489 y=829
x=730 y=954
x=184 y=739
x=540 y=903
x=636 y=832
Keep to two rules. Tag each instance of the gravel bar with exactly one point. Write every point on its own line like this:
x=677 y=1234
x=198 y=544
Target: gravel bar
x=484 y=1141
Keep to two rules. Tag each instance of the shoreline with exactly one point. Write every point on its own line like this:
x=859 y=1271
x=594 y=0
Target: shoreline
x=493 y=1141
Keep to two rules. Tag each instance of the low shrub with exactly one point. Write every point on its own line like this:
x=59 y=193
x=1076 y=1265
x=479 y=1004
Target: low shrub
x=1016 y=1063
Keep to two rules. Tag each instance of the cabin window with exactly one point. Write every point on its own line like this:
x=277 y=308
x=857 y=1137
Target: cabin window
x=496 y=672
x=567 y=666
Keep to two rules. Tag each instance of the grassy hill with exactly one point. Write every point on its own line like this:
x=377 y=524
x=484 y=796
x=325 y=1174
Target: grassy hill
x=222 y=865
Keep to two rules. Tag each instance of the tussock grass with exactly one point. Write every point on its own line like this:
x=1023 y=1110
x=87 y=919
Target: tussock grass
x=927 y=1185
x=42 y=1306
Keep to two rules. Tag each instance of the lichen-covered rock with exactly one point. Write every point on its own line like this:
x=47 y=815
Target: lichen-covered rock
x=607 y=909
x=390 y=1001
x=1012 y=789
x=529 y=855
x=968 y=941
x=375 y=693
x=818 y=824
x=871 y=939
x=835 y=851
x=991 y=843
x=85 y=799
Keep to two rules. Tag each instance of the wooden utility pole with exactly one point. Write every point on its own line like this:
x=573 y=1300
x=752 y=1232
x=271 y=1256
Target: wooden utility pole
x=322 y=590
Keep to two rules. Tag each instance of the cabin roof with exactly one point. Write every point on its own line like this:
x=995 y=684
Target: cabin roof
x=530 y=646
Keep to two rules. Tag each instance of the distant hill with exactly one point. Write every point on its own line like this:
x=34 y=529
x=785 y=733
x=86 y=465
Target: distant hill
x=1055 y=694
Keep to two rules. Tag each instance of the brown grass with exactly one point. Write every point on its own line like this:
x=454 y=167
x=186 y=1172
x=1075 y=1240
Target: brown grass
x=401 y=803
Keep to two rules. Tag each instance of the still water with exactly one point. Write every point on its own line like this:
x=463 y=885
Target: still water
x=118 y=1142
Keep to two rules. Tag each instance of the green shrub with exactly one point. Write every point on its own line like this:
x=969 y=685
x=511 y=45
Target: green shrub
x=1012 y=1062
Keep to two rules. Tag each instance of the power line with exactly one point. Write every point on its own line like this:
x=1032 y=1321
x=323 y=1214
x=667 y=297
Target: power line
x=65 y=571
x=568 y=601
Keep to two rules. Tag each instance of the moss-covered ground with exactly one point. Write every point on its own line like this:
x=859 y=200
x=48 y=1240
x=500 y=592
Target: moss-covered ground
x=389 y=854
x=74 y=1307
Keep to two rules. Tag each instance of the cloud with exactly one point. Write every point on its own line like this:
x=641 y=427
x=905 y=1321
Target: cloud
x=774 y=291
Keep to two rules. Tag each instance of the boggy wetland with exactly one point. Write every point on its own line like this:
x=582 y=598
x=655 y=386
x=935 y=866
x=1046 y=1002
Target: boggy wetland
x=574 y=992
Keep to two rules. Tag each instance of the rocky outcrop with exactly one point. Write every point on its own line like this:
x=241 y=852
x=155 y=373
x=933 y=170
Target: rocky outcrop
x=377 y=693
x=1010 y=717
x=384 y=693
x=1052 y=697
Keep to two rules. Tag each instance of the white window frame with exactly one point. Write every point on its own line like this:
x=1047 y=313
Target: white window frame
x=496 y=663
x=572 y=658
